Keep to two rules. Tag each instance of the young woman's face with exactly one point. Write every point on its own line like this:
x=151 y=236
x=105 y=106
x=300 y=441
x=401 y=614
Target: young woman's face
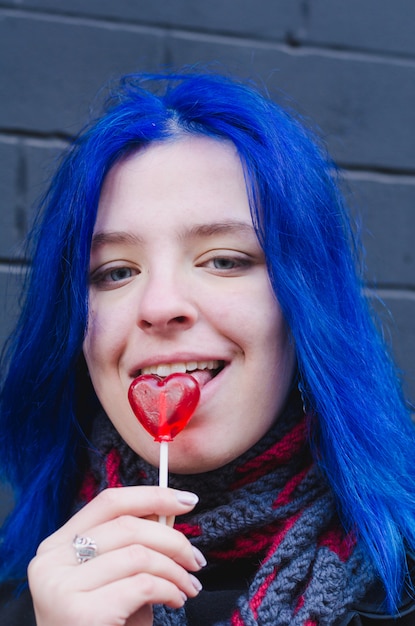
x=178 y=282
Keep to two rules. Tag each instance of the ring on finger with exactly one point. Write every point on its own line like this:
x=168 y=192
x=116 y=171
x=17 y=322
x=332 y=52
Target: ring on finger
x=85 y=548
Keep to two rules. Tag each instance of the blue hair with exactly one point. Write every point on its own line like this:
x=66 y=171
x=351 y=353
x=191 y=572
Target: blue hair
x=361 y=431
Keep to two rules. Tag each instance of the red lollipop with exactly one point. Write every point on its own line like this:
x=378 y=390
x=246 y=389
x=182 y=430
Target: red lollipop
x=164 y=406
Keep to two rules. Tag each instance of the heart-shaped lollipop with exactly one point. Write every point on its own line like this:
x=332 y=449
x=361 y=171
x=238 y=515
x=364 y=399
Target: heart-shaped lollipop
x=164 y=406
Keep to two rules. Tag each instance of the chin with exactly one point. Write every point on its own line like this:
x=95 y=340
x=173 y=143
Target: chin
x=197 y=459
x=191 y=462
x=199 y=467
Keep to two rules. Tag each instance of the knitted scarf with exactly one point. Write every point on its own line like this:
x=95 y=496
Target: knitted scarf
x=271 y=504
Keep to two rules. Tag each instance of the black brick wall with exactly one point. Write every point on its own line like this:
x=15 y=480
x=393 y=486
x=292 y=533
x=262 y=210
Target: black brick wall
x=350 y=66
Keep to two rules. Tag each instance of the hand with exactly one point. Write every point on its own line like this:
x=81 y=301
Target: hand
x=139 y=561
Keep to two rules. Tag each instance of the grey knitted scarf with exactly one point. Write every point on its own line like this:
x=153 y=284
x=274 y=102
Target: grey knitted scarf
x=271 y=504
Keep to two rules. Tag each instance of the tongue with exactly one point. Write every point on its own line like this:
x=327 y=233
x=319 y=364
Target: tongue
x=202 y=377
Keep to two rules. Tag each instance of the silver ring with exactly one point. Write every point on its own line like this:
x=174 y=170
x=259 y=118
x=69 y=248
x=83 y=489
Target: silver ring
x=85 y=548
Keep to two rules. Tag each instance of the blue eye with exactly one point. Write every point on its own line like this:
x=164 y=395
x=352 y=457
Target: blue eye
x=227 y=263
x=224 y=263
x=107 y=278
x=120 y=273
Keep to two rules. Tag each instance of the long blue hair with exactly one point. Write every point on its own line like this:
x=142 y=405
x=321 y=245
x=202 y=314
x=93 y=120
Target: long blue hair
x=362 y=435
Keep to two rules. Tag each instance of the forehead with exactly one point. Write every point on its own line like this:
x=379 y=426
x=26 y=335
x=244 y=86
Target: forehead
x=193 y=178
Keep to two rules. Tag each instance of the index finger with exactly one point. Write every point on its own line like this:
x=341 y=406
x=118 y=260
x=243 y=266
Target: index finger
x=143 y=501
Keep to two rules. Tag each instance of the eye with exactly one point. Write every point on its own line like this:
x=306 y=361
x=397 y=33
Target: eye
x=228 y=264
x=120 y=273
x=107 y=278
x=225 y=263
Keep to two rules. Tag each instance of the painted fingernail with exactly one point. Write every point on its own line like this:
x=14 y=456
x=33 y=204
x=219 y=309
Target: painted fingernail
x=187 y=497
x=196 y=583
x=200 y=559
x=184 y=596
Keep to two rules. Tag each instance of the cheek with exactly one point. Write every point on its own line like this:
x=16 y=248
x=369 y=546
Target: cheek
x=268 y=326
x=92 y=339
x=100 y=339
x=279 y=337
x=274 y=342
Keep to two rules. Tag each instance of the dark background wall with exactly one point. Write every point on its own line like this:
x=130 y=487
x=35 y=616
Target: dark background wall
x=349 y=65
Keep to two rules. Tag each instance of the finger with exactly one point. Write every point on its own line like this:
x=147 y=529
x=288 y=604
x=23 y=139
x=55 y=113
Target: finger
x=134 y=593
x=112 y=503
x=114 y=603
x=130 y=561
x=124 y=590
x=127 y=530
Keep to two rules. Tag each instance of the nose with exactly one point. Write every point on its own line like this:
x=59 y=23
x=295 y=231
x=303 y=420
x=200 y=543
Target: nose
x=165 y=304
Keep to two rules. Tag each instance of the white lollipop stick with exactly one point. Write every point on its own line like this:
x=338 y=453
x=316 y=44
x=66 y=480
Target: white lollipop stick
x=164 y=471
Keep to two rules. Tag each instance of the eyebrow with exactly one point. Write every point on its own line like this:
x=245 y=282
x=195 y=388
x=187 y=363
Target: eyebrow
x=196 y=231
x=114 y=237
x=217 y=228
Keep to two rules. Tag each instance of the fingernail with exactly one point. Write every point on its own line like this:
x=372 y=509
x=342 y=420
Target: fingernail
x=184 y=596
x=196 y=583
x=187 y=497
x=200 y=559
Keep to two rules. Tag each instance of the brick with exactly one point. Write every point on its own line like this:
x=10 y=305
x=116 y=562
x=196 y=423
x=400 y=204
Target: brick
x=354 y=100
x=386 y=208
x=25 y=166
x=59 y=65
x=372 y=25
x=42 y=159
x=397 y=315
x=9 y=196
x=274 y=19
x=365 y=107
x=10 y=287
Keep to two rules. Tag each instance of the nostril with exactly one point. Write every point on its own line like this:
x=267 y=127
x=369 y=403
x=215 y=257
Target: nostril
x=145 y=325
x=181 y=319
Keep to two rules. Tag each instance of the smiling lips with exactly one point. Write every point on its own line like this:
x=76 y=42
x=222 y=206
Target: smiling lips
x=202 y=371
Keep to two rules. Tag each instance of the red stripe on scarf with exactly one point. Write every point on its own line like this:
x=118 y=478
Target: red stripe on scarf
x=236 y=619
x=279 y=453
x=285 y=495
x=112 y=466
x=265 y=541
x=255 y=602
x=269 y=536
x=258 y=597
x=188 y=529
x=300 y=604
x=254 y=544
x=339 y=543
x=288 y=524
x=89 y=488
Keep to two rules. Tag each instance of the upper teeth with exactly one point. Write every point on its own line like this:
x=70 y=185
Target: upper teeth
x=165 y=369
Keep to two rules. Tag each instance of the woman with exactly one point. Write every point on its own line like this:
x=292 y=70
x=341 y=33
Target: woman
x=200 y=230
